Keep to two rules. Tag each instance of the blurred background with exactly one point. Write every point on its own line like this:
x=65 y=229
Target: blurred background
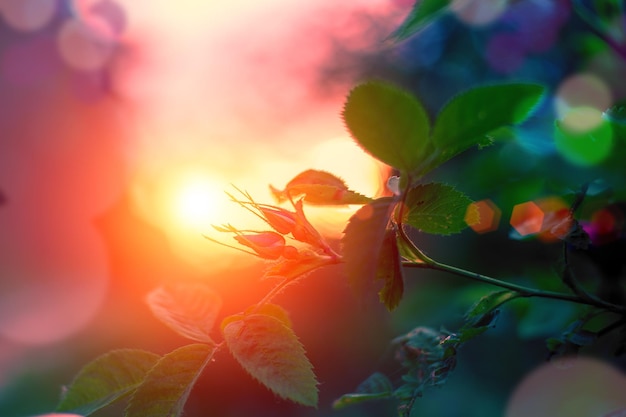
x=123 y=122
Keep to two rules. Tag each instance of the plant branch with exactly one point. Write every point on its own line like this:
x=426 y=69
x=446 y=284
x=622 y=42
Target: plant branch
x=523 y=291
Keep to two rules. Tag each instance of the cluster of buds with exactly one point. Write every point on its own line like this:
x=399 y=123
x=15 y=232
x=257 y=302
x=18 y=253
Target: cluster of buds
x=272 y=244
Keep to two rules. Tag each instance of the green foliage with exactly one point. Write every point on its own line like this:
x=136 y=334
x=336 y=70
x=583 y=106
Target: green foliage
x=167 y=385
x=427 y=362
x=480 y=313
x=435 y=208
x=469 y=118
x=422 y=13
x=394 y=127
x=375 y=387
x=108 y=378
x=572 y=339
x=188 y=309
x=270 y=351
x=389 y=123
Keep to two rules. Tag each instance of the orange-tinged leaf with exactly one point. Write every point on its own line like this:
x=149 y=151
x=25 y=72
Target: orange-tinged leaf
x=299 y=267
x=319 y=187
x=270 y=309
x=188 y=309
x=270 y=351
x=390 y=271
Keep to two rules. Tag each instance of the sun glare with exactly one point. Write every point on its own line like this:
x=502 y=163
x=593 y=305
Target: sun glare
x=196 y=203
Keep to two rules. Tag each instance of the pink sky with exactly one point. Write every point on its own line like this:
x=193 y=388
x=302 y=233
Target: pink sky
x=232 y=94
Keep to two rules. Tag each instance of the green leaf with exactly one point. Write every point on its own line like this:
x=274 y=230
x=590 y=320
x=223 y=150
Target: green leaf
x=480 y=314
x=188 y=309
x=388 y=123
x=427 y=361
x=270 y=351
x=470 y=118
x=106 y=379
x=390 y=271
x=436 y=208
x=423 y=12
x=270 y=309
x=362 y=242
x=319 y=187
x=376 y=386
x=167 y=386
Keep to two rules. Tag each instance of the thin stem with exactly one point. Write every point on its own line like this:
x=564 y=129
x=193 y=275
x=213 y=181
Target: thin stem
x=274 y=291
x=289 y=280
x=523 y=291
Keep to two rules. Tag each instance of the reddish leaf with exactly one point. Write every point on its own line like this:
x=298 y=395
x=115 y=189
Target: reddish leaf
x=390 y=271
x=188 y=309
x=363 y=241
x=294 y=268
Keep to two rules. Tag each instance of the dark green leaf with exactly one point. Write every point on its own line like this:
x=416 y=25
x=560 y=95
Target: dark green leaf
x=376 y=386
x=270 y=351
x=389 y=270
x=427 y=362
x=188 y=309
x=106 y=379
x=362 y=242
x=481 y=313
x=423 y=12
x=319 y=187
x=436 y=208
x=388 y=123
x=470 y=118
x=167 y=386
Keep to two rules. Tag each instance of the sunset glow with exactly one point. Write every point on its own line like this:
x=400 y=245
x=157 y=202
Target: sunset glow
x=217 y=108
x=196 y=201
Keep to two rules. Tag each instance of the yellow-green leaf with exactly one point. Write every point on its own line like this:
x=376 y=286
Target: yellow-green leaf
x=436 y=208
x=168 y=384
x=389 y=123
x=106 y=379
x=270 y=351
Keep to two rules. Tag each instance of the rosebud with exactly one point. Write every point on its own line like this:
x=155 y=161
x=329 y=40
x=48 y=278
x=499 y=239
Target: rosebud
x=268 y=245
x=281 y=220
